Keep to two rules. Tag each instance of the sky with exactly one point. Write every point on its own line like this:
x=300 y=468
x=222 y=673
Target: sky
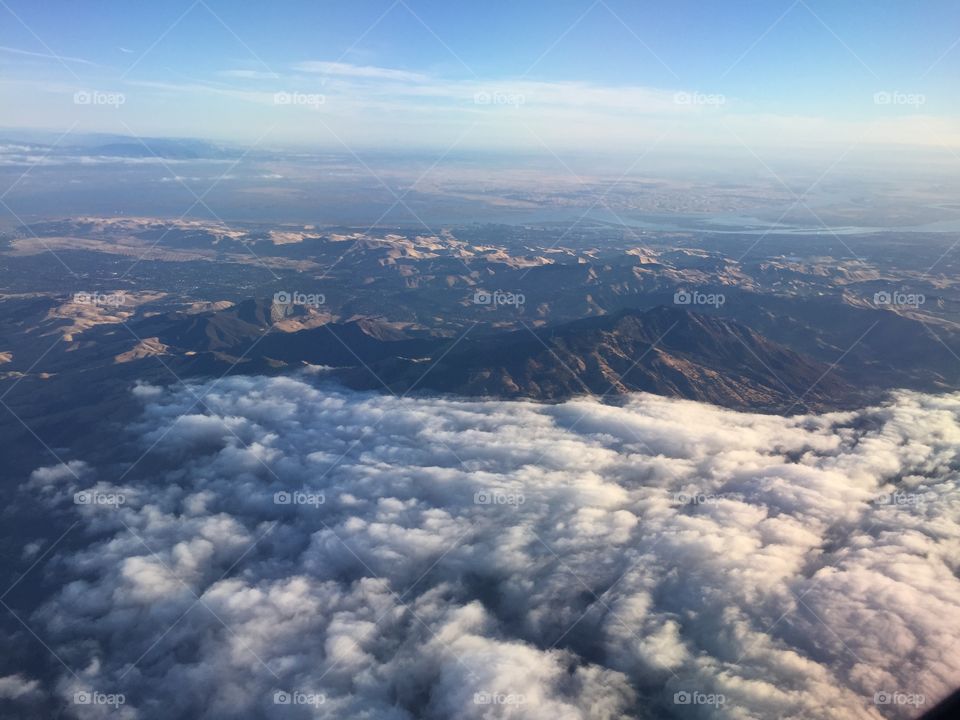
x=571 y=74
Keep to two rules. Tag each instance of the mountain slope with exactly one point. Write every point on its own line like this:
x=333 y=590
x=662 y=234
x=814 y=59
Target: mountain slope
x=667 y=351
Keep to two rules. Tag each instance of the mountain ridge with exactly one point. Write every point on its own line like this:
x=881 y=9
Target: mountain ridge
x=665 y=350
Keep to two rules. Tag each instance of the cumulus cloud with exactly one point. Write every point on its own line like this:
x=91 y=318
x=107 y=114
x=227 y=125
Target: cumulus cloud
x=53 y=475
x=17 y=686
x=306 y=551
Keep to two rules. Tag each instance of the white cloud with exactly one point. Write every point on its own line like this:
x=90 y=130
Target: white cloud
x=250 y=74
x=368 y=106
x=54 y=475
x=17 y=686
x=358 y=71
x=45 y=56
x=616 y=556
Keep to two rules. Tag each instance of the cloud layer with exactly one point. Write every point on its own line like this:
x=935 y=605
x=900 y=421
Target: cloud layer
x=365 y=556
x=339 y=105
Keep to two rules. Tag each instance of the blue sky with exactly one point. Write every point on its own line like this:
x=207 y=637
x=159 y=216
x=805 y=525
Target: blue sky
x=494 y=74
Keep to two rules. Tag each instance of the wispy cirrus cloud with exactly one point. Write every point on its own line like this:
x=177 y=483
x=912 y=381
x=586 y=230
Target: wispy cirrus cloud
x=46 y=56
x=372 y=72
x=369 y=106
